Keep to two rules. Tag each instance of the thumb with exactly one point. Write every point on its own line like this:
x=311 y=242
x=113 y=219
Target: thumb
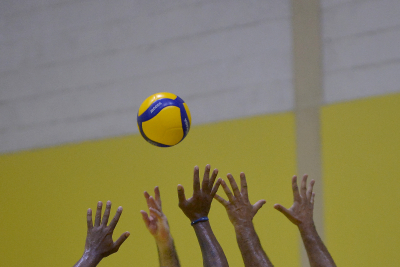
x=258 y=205
x=181 y=194
x=121 y=240
x=283 y=210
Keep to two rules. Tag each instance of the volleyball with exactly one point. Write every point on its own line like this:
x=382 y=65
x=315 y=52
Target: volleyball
x=164 y=119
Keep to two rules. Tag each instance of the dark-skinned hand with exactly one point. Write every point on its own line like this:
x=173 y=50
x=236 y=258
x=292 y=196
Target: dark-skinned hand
x=199 y=204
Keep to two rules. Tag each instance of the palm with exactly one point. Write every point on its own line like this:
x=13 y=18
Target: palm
x=302 y=209
x=156 y=222
x=199 y=204
x=153 y=227
x=239 y=207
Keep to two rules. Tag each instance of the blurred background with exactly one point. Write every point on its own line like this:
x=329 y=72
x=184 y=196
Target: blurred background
x=275 y=88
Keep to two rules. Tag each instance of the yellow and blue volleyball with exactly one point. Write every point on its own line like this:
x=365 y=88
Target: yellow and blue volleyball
x=164 y=119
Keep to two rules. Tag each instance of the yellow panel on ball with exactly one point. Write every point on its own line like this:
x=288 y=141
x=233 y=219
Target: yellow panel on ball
x=166 y=127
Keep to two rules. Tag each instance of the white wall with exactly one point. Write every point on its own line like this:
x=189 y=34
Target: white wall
x=361 y=48
x=78 y=70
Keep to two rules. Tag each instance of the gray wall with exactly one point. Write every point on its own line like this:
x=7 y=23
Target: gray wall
x=361 y=48
x=78 y=70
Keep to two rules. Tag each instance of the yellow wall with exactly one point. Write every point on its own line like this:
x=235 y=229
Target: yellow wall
x=45 y=193
x=361 y=162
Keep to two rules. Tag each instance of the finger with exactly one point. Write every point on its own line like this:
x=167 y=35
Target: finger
x=157 y=196
x=106 y=213
x=181 y=194
x=147 y=196
x=157 y=213
x=258 y=205
x=234 y=186
x=303 y=186
x=206 y=178
x=215 y=188
x=312 y=198
x=121 y=240
x=221 y=200
x=310 y=189
x=212 y=179
x=196 y=180
x=145 y=217
x=283 y=210
x=243 y=185
x=154 y=205
x=89 y=219
x=115 y=220
x=227 y=190
x=296 y=194
x=97 y=220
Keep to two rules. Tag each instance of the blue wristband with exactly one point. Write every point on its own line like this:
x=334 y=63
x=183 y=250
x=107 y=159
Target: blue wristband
x=202 y=219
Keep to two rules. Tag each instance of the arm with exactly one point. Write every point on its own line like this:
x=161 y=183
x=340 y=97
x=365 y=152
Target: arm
x=198 y=206
x=301 y=214
x=157 y=224
x=241 y=213
x=99 y=242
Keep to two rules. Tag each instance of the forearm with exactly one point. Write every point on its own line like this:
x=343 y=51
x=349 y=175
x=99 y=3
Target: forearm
x=167 y=254
x=213 y=255
x=88 y=260
x=250 y=246
x=318 y=254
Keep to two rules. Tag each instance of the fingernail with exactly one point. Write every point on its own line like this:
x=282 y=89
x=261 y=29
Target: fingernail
x=127 y=234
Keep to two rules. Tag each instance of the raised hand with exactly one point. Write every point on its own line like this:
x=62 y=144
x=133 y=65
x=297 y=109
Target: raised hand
x=241 y=213
x=301 y=212
x=196 y=209
x=156 y=222
x=239 y=208
x=99 y=242
x=199 y=204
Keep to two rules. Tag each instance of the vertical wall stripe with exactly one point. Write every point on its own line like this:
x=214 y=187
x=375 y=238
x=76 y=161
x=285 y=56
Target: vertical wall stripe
x=308 y=95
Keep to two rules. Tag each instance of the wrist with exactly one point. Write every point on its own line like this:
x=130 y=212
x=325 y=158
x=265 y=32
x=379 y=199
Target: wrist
x=91 y=258
x=201 y=225
x=164 y=241
x=306 y=226
x=196 y=217
x=243 y=224
x=245 y=228
x=308 y=231
x=165 y=245
x=200 y=220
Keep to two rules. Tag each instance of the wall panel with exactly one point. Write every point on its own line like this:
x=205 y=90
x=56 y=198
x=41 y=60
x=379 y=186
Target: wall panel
x=47 y=192
x=361 y=151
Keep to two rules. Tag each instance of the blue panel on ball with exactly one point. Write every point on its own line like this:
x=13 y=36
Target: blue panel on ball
x=184 y=118
x=155 y=108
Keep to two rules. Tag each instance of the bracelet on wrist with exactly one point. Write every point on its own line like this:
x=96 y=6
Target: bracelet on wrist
x=202 y=219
